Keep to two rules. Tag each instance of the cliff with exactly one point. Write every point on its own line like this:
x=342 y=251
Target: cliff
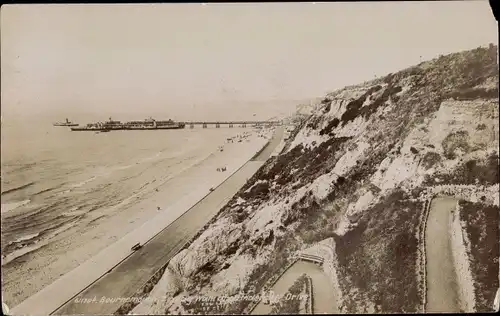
x=360 y=169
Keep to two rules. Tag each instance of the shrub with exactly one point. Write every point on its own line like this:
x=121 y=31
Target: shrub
x=481 y=127
x=454 y=141
x=260 y=190
x=486 y=172
x=269 y=239
x=430 y=159
x=473 y=94
x=327 y=108
x=340 y=181
x=331 y=125
x=239 y=217
x=353 y=108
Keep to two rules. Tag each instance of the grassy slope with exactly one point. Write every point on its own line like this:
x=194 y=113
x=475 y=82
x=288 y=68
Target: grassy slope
x=482 y=228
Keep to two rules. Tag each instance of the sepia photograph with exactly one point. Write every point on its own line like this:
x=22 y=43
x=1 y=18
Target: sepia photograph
x=250 y=158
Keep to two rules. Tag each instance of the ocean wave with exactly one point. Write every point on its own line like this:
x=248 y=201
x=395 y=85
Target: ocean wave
x=74 y=211
x=97 y=206
x=41 y=221
x=25 y=238
x=62 y=193
x=91 y=222
x=144 y=185
x=43 y=191
x=21 y=187
x=100 y=187
x=80 y=184
x=7 y=207
x=17 y=167
x=124 y=167
x=30 y=215
x=17 y=254
x=32 y=247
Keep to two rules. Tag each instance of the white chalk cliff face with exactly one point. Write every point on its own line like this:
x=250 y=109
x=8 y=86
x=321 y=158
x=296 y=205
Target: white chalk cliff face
x=206 y=248
x=354 y=170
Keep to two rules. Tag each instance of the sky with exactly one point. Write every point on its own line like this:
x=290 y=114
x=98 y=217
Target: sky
x=192 y=60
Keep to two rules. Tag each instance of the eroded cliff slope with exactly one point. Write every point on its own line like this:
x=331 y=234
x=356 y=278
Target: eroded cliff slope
x=361 y=170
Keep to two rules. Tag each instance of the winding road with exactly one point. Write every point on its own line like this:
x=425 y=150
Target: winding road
x=322 y=290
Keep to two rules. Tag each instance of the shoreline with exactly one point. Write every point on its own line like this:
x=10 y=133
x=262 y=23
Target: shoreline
x=85 y=234
x=73 y=282
x=149 y=286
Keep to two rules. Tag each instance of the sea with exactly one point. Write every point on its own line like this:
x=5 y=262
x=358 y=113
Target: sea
x=52 y=178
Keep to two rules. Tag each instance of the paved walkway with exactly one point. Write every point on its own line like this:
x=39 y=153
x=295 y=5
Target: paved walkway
x=136 y=270
x=442 y=294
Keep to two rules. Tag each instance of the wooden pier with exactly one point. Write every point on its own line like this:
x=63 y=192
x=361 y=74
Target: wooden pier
x=152 y=124
x=232 y=124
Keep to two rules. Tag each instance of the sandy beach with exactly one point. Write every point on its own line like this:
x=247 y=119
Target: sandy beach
x=29 y=274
